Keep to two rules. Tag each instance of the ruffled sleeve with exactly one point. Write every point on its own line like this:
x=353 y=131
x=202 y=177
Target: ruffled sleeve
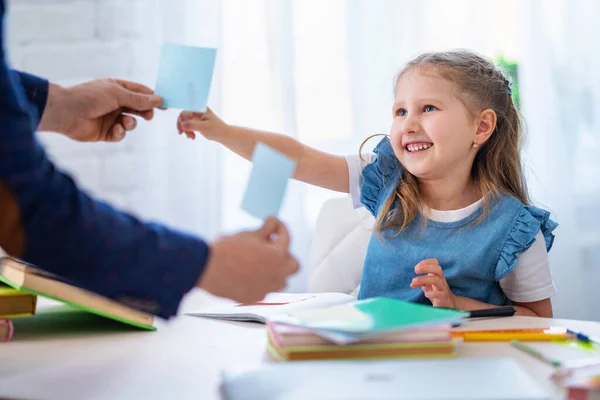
x=530 y=221
x=379 y=175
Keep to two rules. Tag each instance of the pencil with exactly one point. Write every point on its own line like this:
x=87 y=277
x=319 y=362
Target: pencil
x=583 y=337
x=507 y=336
x=522 y=346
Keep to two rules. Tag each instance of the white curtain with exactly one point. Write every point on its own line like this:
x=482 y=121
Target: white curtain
x=193 y=168
x=560 y=86
x=323 y=71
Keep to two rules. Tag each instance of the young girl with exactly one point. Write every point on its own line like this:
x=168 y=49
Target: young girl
x=454 y=227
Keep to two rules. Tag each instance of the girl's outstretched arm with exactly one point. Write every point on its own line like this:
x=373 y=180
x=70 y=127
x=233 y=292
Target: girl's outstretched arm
x=313 y=166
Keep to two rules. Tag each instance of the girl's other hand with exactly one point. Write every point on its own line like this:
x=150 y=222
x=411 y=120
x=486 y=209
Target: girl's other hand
x=206 y=123
x=433 y=283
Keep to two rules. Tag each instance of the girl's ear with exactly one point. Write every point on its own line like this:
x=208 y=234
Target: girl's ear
x=486 y=123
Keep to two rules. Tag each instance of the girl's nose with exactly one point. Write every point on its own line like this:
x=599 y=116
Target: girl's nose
x=411 y=125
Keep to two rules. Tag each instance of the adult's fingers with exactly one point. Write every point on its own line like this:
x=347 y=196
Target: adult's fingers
x=112 y=129
x=268 y=228
x=128 y=122
x=147 y=115
x=116 y=133
x=134 y=86
x=135 y=96
x=281 y=236
x=291 y=266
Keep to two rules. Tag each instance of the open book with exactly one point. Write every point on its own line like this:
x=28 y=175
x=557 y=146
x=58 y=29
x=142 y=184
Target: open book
x=26 y=278
x=273 y=304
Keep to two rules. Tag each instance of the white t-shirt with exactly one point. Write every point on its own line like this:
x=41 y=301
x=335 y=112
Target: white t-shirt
x=530 y=280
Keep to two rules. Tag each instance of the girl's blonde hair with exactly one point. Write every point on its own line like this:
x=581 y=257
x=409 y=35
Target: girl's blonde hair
x=497 y=166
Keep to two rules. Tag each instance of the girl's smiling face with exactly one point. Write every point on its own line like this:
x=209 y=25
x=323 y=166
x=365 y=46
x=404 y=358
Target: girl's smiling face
x=432 y=131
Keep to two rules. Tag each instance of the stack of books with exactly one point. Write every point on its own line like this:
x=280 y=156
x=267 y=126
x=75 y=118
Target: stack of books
x=368 y=329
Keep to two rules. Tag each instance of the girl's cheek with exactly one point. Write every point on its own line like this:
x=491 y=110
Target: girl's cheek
x=395 y=135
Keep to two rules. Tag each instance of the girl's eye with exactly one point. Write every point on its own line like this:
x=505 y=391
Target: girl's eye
x=429 y=108
x=401 y=112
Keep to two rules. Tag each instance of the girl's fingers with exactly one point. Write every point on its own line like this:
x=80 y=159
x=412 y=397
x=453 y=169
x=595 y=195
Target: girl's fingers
x=428 y=267
x=189 y=115
x=426 y=280
x=193 y=125
x=189 y=133
x=428 y=261
x=189 y=121
x=428 y=290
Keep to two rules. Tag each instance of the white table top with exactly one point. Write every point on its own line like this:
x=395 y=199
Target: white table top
x=101 y=359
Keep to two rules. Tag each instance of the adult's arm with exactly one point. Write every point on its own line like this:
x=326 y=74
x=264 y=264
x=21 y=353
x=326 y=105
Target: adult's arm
x=51 y=223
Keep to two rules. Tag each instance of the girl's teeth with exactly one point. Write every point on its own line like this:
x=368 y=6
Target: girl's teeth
x=418 y=147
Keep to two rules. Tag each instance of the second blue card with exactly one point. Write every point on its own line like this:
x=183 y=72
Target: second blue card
x=268 y=182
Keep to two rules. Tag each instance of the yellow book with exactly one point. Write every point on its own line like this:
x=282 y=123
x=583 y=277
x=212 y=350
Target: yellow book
x=14 y=303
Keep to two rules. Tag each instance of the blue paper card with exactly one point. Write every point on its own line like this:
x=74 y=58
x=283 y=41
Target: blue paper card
x=268 y=182
x=184 y=76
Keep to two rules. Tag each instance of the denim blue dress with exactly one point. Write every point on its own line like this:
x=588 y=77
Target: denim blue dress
x=474 y=255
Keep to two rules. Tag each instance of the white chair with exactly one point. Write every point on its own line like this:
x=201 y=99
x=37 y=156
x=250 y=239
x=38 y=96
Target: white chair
x=339 y=247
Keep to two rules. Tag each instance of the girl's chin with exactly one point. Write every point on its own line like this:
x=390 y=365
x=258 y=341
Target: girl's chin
x=420 y=171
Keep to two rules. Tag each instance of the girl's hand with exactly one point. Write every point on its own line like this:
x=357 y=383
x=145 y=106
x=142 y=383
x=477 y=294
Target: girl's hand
x=434 y=283
x=207 y=124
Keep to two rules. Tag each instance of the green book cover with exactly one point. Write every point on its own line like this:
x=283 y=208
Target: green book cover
x=373 y=315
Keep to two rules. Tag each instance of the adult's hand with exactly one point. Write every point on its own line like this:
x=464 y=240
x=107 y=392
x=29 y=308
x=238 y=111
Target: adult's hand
x=98 y=110
x=248 y=265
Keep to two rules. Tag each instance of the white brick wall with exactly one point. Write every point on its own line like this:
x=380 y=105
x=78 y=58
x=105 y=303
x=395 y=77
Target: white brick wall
x=77 y=60
x=70 y=41
x=117 y=18
x=52 y=21
x=153 y=173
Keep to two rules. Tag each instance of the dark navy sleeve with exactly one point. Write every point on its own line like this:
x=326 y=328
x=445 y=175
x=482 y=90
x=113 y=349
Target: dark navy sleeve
x=36 y=90
x=72 y=235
